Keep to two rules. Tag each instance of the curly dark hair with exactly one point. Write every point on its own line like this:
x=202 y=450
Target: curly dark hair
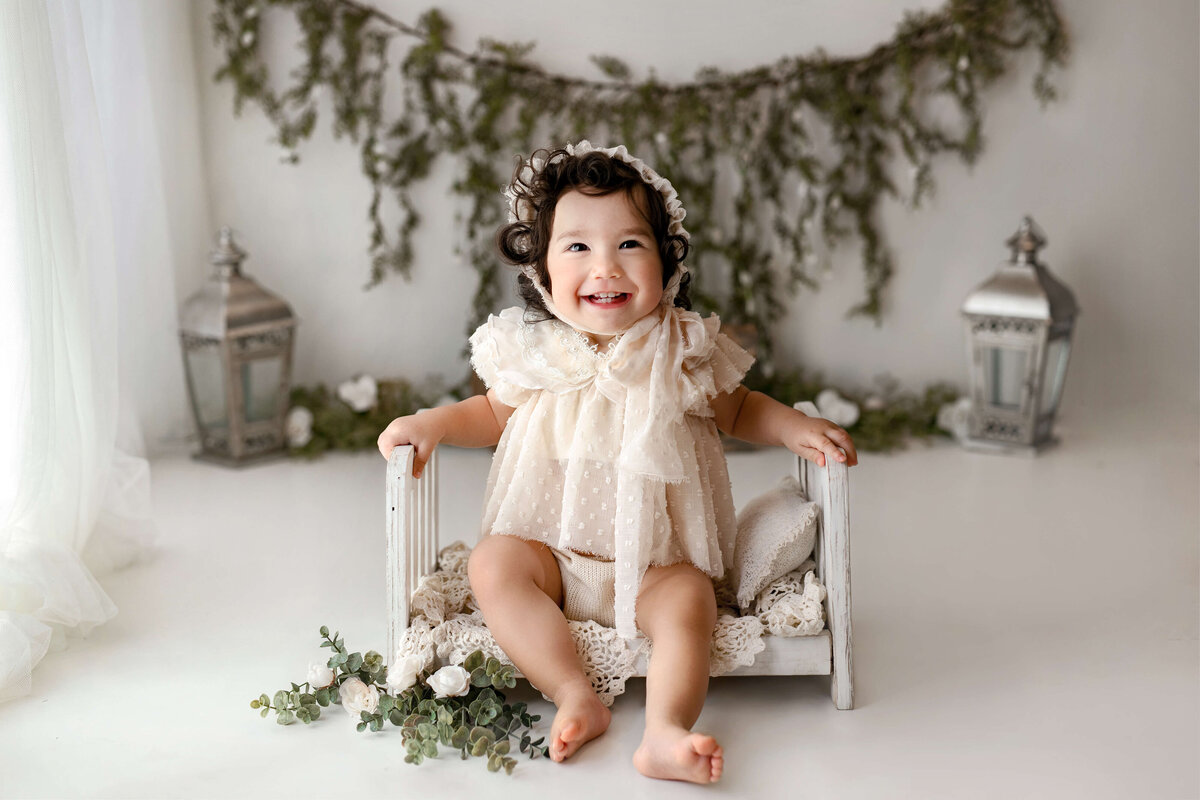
x=596 y=174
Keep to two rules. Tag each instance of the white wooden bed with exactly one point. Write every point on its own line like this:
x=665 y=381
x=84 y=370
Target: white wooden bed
x=412 y=548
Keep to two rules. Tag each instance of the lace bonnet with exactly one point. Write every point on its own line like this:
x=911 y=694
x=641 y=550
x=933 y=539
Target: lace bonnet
x=520 y=210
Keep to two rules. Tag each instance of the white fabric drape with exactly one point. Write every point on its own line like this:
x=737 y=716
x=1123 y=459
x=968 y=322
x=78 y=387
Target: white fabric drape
x=86 y=281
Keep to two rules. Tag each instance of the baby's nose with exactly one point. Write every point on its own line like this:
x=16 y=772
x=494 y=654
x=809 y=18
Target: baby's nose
x=606 y=268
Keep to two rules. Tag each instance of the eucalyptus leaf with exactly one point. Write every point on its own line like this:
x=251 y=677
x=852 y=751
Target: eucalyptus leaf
x=264 y=712
x=494 y=763
x=459 y=737
x=473 y=661
x=324 y=631
x=502 y=747
x=480 y=747
x=429 y=749
x=354 y=662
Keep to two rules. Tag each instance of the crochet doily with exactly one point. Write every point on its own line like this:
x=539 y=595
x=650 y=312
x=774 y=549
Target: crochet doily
x=446 y=625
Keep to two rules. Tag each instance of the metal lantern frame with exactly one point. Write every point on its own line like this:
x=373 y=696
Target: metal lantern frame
x=236 y=329
x=1019 y=325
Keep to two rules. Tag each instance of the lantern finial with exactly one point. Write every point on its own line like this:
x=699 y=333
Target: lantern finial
x=227 y=256
x=1025 y=243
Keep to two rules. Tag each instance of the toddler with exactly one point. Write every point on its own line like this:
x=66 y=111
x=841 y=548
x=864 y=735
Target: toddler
x=608 y=497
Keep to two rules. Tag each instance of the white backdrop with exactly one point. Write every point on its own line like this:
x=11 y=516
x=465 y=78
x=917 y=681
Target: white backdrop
x=1110 y=172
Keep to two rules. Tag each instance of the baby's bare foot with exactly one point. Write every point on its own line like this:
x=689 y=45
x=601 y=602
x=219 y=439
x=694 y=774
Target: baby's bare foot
x=581 y=717
x=677 y=754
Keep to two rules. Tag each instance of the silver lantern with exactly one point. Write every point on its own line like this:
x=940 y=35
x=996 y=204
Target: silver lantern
x=237 y=352
x=1018 y=326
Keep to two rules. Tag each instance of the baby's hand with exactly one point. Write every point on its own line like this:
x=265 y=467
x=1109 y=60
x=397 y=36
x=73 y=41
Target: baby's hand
x=819 y=439
x=419 y=430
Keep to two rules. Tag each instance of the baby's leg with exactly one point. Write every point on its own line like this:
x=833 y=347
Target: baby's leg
x=518 y=587
x=677 y=610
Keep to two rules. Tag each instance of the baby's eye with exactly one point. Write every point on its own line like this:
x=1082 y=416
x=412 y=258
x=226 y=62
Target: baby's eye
x=571 y=247
x=633 y=242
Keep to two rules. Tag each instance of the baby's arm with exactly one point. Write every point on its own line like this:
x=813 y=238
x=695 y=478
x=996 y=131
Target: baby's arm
x=475 y=422
x=755 y=417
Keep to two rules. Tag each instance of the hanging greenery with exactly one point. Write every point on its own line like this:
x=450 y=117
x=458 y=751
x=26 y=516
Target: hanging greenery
x=809 y=139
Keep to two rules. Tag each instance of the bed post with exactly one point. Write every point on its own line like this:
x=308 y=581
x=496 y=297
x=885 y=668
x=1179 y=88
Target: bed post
x=412 y=536
x=829 y=487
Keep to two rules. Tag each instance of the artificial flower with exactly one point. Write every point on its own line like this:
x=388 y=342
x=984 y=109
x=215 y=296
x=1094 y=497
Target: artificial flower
x=955 y=417
x=833 y=407
x=358 y=697
x=319 y=675
x=299 y=426
x=361 y=393
x=450 y=681
x=403 y=674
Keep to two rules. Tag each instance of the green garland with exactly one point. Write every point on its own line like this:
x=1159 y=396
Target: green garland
x=888 y=416
x=484 y=106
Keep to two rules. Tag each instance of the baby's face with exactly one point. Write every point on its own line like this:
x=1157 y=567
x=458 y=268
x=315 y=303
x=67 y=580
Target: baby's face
x=605 y=271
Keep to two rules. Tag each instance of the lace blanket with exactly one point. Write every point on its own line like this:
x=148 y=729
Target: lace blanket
x=446 y=625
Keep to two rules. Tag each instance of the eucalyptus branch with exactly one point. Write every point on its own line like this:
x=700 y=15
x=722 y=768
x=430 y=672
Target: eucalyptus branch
x=472 y=718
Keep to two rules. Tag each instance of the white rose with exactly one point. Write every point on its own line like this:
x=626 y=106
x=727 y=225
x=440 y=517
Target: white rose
x=319 y=675
x=403 y=674
x=837 y=409
x=955 y=417
x=452 y=681
x=357 y=697
x=361 y=393
x=299 y=426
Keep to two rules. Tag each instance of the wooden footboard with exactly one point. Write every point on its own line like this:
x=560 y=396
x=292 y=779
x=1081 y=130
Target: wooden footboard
x=412 y=547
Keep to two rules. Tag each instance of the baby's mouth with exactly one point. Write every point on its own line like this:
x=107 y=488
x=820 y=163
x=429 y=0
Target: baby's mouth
x=608 y=299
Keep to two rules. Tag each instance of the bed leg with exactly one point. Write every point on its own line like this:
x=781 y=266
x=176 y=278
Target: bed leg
x=835 y=558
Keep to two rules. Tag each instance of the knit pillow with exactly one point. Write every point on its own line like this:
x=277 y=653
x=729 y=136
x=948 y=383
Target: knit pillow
x=776 y=532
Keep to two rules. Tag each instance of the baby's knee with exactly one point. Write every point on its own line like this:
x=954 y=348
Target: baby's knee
x=681 y=602
x=499 y=561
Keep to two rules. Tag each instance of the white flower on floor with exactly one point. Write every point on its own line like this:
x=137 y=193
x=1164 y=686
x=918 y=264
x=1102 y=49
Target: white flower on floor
x=357 y=697
x=361 y=393
x=451 y=681
x=837 y=409
x=403 y=673
x=299 y=426
x=319 y=675
x=954 y=417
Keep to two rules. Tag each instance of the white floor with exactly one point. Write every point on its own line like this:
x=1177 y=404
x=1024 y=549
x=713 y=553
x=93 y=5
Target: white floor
x=1023 y=628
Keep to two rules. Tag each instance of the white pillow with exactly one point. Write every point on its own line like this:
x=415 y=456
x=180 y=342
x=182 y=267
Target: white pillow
x=776 y=532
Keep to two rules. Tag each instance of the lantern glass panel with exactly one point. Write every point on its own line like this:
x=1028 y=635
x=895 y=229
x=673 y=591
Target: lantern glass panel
x=1005 y=371
x=260 y=382
x=208 y=386
x=1056 y=373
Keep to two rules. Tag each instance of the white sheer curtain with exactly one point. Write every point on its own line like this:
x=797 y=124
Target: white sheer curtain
x=87 y=313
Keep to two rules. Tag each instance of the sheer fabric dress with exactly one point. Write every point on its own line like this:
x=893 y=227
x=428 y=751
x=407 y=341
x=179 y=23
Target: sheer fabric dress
x=614 y=454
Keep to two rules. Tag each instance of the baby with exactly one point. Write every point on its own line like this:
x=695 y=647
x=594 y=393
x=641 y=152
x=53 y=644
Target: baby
x=608 y=497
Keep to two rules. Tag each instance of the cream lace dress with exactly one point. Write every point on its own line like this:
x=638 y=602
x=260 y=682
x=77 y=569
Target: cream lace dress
x=613 y=454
